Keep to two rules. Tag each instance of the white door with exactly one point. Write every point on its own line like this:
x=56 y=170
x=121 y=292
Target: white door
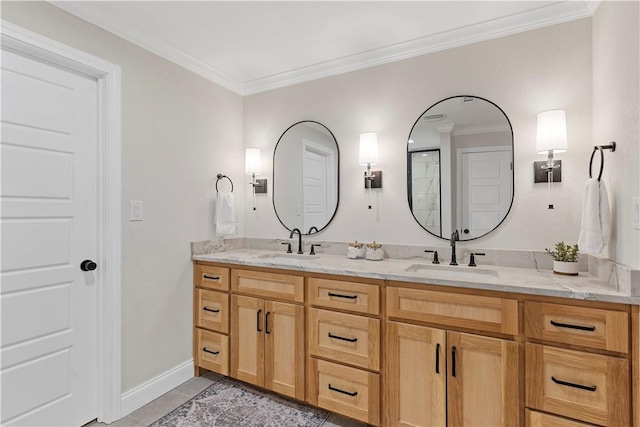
x=486 y=191
x=314 y=172
x=48 y=193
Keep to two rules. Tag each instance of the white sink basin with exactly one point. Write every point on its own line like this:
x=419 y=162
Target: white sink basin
x=288 y=257
x=453 y=270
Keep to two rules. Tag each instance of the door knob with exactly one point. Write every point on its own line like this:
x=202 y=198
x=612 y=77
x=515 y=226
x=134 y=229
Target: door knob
x=466 y=231
x=88 y=265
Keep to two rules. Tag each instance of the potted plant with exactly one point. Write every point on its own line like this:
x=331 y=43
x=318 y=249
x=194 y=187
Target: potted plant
x=565 y=259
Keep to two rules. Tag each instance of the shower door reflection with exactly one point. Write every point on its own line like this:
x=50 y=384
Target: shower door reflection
x=424 y=182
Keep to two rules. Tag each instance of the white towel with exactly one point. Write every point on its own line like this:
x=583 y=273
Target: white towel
x=225 y=214
x=596 y=218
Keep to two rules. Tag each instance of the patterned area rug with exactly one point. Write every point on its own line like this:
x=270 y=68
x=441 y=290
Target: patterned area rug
x=231 y=403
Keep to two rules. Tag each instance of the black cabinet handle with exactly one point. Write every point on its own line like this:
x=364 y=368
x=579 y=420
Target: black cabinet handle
x=211 y=277
x=342 y=338
x=266 y=322
x=438 y=358
x=569 y=326
x=580 y=386
x=453 y=361
x=331 y=294
x=211 y=310
x=258 y=327
x=355 y=393
x=209 y=351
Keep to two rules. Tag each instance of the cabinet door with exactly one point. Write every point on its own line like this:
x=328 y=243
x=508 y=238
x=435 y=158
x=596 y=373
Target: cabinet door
x=483 y=381
x=417 y=374
x=284 y=348
x=247 y=339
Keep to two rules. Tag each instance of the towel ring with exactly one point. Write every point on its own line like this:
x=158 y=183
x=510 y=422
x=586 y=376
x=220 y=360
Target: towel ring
x=593 y=153
x=220 y=176
x=600 y=148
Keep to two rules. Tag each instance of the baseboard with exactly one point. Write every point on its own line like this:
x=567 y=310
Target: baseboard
x=155 y=387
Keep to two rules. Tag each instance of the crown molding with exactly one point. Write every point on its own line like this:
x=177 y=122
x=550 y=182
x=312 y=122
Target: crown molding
x=474 y=130
x=555 y=13
x=152 y=44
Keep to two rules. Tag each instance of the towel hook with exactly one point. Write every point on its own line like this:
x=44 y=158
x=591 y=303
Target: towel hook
x=601 y=148
x=220 y=176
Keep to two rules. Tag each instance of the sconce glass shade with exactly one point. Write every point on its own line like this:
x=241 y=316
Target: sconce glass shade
x=552 y=132
x=252 y=161
x=368 y=148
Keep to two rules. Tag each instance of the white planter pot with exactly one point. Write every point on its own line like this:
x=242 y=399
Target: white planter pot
x=565 y=268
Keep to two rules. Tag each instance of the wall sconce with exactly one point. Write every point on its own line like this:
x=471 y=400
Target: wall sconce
x=551 y=136
x=369 y=156
x=253 y=167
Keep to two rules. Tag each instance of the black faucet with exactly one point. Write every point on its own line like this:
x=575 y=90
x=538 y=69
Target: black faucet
x=312 y=228
x=294 y=231
x=454 y=237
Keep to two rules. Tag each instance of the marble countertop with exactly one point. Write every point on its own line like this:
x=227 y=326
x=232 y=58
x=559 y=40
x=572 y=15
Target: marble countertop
x=419 y=270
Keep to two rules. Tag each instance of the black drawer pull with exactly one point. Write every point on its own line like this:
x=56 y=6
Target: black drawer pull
x=580 y=386
x=211 y=310
x=438 y=358
x=258 y=327
x=355 y=393
x=211 y=277
x=209 y=351
x=567 y=325
x=342 y=338
x=266 y=322
x=453 y=361
x=331 y=294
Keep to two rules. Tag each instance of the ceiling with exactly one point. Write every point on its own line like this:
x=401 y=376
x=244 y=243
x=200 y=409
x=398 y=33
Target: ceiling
x=254 y=46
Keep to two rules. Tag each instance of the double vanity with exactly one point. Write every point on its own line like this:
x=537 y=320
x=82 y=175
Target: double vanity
x=404 y=342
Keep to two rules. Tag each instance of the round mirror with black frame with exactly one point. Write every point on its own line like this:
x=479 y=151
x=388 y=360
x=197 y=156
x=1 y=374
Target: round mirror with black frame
x=306 y=181
x=460 y=167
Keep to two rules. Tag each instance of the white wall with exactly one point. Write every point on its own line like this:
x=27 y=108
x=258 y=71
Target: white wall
x=178 y=131
x=616 y=95
x=524 y=74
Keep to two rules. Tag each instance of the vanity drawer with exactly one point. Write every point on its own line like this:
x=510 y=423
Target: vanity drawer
x=210 y=277
x=271 y=285
x=347 y=391
x=588 y=387
x=539 y=419
x=346 y=338
x=212 y=351
x=213 y=310
x=444 y=308
x=351 y=296
x=588 y=327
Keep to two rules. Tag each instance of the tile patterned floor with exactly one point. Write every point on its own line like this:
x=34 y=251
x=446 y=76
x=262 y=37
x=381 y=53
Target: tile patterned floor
x=166 y=403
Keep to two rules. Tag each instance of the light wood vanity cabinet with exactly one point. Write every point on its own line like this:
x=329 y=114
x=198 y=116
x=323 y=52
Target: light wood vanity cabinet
x=211 y=319
x=435 y=374
x=267 y=336
x=343 y=338
x=583 y=384
x=402 y=354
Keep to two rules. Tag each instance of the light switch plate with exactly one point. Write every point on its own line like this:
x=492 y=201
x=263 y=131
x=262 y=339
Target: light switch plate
x=136 y=210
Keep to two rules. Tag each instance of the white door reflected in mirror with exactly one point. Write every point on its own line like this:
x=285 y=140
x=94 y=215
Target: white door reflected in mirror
x=305 y=176
x=460 y=167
